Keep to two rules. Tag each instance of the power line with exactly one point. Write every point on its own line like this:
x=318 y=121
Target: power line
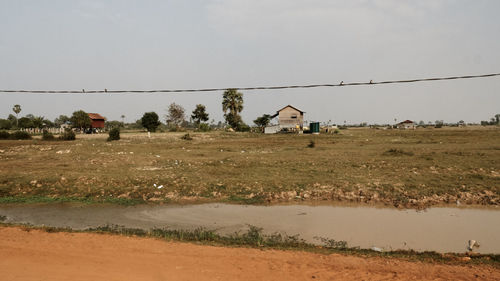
x=341 y=84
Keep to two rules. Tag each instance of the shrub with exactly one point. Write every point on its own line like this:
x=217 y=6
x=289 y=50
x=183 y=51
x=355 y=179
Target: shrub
x=311 y=144
x=4 y=135
x=242 y=127
x=46 y=135
x=204 y=127
x=5 y=124
x=186 y=137
x=398 y=152
x=20 y=135
x=68 y=135
x=114 y=134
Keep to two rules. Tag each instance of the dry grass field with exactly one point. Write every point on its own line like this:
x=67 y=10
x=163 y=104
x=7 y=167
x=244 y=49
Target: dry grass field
x=403 y=168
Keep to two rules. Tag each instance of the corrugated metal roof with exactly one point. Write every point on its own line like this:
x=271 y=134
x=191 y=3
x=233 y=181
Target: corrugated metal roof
x=291 y=107
x=95 y=116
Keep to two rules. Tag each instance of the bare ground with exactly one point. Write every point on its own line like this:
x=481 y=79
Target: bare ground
x=413 y=168
x=37 y=255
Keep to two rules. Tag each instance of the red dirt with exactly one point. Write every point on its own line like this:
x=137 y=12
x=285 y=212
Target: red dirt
x=37 y=255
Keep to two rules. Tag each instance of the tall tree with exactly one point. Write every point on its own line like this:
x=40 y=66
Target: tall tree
x=25 y=122
x=150 y=121
x=175 y=115
x=263 y=121
x=13 y=120
x=232 y=105
x=199 y=114
x=17 y=109
x=123 y=119
x=80 y=119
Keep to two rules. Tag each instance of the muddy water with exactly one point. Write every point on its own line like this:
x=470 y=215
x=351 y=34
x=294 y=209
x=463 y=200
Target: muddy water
x=436 y=229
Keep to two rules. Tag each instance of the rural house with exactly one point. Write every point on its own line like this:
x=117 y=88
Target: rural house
x=97 y=121
x=290 y=118
x=407 y=124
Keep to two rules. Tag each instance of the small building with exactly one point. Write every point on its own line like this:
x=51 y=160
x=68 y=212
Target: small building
x=272 y=129
x=407 y=124
x=97 y=121
x=290 y=118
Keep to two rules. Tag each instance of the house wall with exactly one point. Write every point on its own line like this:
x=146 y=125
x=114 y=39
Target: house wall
x=407 y=126
x=286 y=119
x=97 y=123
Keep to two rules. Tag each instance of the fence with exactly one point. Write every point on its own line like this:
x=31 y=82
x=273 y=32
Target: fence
x=35 y=131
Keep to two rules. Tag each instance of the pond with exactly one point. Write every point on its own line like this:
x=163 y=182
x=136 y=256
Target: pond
x=436 y=229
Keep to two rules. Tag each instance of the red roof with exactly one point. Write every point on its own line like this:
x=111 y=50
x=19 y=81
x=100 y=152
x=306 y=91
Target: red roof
x=407 y=122
x=95 y=116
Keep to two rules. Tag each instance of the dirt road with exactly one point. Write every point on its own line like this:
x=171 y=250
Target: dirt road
x=37 y=255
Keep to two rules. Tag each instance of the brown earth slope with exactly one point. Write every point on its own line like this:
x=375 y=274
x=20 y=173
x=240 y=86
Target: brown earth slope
x=37 y=255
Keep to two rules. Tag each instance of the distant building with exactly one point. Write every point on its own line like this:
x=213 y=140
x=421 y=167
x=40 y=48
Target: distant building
x=290 y=118
x=97 y=121
x=407 y=124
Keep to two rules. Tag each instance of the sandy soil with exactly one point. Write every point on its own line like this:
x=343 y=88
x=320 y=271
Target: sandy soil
x=37 y=255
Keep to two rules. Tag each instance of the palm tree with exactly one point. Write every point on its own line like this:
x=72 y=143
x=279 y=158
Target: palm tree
x=123 y=119
x=17 y=109
x=232 y=105
x=38 y=121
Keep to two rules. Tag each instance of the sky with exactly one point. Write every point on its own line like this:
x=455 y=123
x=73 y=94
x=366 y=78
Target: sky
x=177 y=44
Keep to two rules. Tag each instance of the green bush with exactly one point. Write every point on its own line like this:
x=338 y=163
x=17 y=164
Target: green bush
x=4 y=135
x=114 y=134
x=46 y=135
x=204 y=127
x=20 y=135
x=68 y=135
x=5 y=124
x=242 y=127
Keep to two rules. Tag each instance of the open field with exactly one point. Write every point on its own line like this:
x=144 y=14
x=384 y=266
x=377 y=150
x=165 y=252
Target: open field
x=412 y=168
x=39 y=255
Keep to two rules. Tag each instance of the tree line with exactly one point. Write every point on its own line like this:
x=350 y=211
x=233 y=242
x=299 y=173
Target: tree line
x=175 y=119
x=232 y=106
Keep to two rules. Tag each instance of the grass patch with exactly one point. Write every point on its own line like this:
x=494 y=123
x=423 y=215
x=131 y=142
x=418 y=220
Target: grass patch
x=255 y=238
x=393 y=167
x=86 y=200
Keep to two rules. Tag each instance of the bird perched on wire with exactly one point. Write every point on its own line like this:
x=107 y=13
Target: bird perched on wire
x=105 y=90
x=371 y=81
x=341 y=83
x=83 y=90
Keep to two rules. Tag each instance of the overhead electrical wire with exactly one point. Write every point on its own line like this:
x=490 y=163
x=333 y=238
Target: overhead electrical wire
x=341 y=84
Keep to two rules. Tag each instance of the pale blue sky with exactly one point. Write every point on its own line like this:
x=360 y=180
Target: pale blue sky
x=70 y=45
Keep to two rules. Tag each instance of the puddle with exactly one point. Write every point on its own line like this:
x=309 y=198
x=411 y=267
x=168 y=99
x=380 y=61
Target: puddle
x=436 y=229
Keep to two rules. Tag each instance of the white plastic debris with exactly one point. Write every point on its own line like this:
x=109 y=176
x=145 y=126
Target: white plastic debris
x=376 y=249
x=472 y=244
x=154 y=184
x=160 y=187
